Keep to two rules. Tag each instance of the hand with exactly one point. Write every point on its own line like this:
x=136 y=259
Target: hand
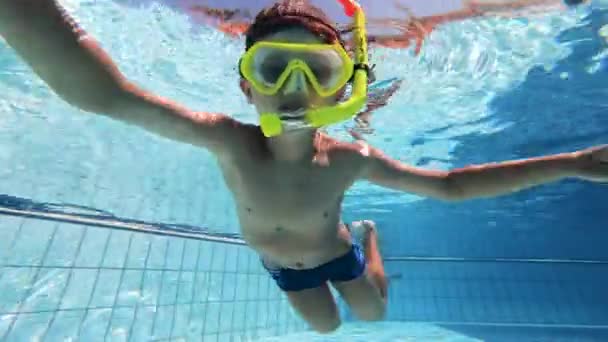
x=592 y=163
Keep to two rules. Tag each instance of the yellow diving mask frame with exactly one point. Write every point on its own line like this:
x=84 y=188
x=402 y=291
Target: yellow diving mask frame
x=271 y=123
x=268 y=65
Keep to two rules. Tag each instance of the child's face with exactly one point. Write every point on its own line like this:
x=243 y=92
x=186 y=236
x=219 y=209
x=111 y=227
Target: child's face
x=297 y=94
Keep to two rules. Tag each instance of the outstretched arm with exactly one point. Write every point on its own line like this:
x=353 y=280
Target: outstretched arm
x=487 y=180
x=416 y=29
x=509 y=8
x=233 y=22
x=75 y=67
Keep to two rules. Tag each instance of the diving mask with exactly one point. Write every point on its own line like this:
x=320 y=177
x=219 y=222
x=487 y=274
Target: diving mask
x=268 y=65
x=327 y=67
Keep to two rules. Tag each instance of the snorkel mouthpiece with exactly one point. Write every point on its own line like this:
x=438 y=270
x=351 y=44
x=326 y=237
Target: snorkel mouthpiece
x=271 y=123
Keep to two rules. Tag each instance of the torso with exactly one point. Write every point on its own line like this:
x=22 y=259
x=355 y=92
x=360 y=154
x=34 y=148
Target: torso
x=290 y=211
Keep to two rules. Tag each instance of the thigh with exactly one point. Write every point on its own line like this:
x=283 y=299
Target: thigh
x=366 y=295
x=317 y=307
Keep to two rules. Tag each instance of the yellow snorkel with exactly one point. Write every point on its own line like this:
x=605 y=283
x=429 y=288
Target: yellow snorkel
x=271 y=123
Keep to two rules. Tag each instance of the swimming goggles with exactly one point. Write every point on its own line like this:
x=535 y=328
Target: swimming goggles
x=327 y=67
x=268 y=65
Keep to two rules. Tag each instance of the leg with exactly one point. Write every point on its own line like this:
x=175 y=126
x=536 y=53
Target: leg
x=317 y=307
x=366 y=295
x=308 y=293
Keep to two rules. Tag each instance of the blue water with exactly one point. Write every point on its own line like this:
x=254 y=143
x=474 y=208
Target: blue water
x=529 y=266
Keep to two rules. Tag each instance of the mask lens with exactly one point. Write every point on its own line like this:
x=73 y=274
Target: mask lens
x=269 y=65
x=326 y=64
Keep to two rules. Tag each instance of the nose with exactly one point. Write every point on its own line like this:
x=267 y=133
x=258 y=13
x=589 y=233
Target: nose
x=296 y=84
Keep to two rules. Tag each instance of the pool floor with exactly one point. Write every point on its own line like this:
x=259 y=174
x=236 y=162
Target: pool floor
x=402 y=331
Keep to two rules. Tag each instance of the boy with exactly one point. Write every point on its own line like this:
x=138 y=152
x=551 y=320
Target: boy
x=288 y=188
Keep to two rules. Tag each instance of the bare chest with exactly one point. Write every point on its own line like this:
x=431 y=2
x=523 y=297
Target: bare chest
x=288 y=190
x=290 y=212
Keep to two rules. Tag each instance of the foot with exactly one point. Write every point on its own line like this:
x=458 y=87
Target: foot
x=361 y=230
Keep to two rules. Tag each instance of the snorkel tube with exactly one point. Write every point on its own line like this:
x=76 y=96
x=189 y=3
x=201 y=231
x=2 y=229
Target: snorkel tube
x=272 y=125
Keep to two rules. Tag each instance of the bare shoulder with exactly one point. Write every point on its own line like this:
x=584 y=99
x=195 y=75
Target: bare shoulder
x=244 y=132
x=245 y=141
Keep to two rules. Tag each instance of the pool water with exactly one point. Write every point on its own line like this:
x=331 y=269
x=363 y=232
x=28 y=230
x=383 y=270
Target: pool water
x=530 y=266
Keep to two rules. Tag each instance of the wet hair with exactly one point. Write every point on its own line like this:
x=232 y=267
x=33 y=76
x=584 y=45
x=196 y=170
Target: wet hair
x=286 y=14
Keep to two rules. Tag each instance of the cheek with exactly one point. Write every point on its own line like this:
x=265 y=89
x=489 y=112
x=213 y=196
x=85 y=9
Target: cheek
x=262 y=101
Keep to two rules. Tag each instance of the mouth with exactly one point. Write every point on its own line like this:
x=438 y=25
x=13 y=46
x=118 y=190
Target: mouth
x=291 y=119
x=292 y=109
x=293 y=116
x=294 y=105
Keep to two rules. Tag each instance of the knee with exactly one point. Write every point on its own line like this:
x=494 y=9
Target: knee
x=326 y=327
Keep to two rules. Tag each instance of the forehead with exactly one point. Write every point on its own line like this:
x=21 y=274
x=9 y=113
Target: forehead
x=294 y=35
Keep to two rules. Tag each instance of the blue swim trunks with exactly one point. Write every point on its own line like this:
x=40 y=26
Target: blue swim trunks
x=347 y=267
